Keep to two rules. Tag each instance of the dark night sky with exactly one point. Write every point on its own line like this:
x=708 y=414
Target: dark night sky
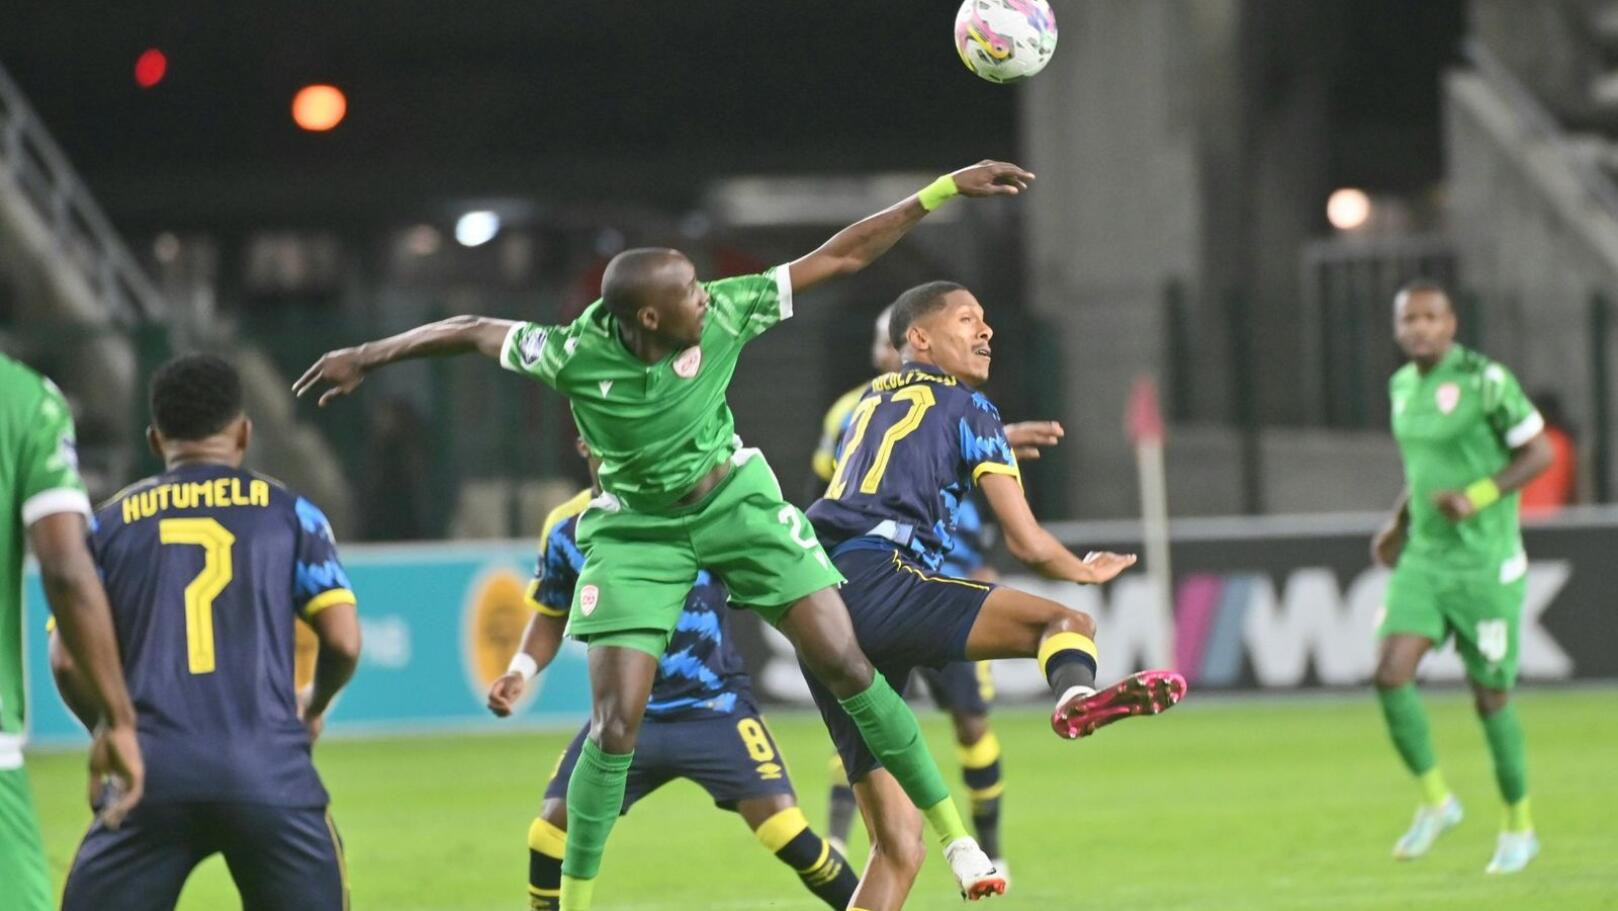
x=601 y=99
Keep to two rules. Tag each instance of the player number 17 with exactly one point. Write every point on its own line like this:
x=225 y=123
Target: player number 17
x=920 y=399
x=216 y=542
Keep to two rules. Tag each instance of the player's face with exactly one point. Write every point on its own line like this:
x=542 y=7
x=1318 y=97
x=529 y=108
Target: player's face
x=679 y=305
x=884 y=357
x=1424 y=324
x=957 y=338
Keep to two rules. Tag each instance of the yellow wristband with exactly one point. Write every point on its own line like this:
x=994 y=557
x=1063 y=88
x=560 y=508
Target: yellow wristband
x=933 y=195
x=1483 y=494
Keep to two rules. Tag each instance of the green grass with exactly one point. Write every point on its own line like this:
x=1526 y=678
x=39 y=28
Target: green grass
x=1223 y=804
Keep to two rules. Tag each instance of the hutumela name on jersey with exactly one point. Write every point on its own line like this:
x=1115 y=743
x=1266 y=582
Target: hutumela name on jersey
x=219 y=492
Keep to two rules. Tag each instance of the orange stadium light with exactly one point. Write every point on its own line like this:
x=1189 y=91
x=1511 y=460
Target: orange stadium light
x=318 y=108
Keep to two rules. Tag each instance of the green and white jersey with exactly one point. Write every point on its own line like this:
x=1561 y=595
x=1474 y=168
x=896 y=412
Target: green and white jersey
x=39 y=476
x=1456 y=425
x=657 y=428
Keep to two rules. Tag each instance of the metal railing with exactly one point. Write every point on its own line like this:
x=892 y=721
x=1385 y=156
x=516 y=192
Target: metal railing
x=37 y=168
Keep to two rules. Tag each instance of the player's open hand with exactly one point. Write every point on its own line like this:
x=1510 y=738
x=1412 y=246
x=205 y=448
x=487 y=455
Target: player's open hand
x=343 y=369
x=1454 y=505
x=1028 y=437
x=504 y=693
x=117 y=773
x=992 y=178
x=1105 y=565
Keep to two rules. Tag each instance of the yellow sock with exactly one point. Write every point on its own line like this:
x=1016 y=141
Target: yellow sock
x=1433 y=789
x=576 y=893
x=1517 y=818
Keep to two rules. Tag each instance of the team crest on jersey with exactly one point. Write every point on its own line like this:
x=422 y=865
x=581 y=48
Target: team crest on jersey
x=589 y=596
x=1448 y=396
x=532 y=346
x=688 y=363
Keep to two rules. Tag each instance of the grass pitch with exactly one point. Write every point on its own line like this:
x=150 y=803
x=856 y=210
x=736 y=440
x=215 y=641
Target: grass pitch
x=1225 y=803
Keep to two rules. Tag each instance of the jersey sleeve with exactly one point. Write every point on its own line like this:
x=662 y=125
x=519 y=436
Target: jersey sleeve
x=556 y=573
x=48 y=471
x=319 y=579
x=984 y=447
x=1509 y=410
x=747 y=305
x=535 y=350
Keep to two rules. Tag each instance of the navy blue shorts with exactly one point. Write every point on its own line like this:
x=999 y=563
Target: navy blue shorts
x=731 y=756
x=963 y=687
x=904 y=618
x=280 y=857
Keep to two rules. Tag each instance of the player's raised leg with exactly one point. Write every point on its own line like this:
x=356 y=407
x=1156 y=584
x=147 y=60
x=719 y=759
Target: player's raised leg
x=1016 y=624
x=622 y=667
x=1406 y=719
x=819 y=628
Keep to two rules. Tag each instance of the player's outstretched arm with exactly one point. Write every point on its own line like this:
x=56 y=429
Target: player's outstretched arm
x=338 y=629
x=1037 y=548
x=345 y=368
x=84 y=622
x=859 y=244
x=540 y=643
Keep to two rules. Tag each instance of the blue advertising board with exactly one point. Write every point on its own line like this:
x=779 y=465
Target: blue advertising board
x=440 y=622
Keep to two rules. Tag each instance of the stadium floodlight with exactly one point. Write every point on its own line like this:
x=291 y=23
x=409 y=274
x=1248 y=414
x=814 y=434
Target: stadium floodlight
x=475 y=229
x=1348 y=209
x=318 y=108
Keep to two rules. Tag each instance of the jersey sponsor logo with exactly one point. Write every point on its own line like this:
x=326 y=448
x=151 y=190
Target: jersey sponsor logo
x=606 y=387
x=589 y=596
x=531 y=347
x=492 y=623
x=1448 y=395
x=688 y=363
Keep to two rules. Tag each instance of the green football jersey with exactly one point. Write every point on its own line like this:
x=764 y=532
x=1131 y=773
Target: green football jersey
x=657 y=428
x=1456 y=425
x=40 y=471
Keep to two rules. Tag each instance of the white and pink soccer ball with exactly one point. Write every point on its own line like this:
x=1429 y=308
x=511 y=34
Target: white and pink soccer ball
x=1005 y=40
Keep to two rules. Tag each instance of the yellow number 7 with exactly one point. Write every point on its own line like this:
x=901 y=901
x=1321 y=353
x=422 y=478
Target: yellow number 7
x=215 y=541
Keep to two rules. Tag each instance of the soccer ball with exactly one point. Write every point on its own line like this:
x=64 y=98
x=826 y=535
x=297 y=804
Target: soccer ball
x=1005 y=40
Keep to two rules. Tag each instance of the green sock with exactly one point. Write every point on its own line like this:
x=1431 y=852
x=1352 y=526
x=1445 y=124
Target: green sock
x=1510 y=751
x=1407 y=725
x=595 y=795
x=890 y=730
x=577 y=893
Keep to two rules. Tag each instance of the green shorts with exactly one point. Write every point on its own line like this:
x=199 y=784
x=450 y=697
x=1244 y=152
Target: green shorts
x=1480 y=610
x=639 y=567
x=24 y=879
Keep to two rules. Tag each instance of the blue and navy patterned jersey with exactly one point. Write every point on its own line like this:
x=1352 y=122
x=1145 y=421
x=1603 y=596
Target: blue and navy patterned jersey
x=206 y=568
x=972 y=541
x=701 y=674
x=914 y=447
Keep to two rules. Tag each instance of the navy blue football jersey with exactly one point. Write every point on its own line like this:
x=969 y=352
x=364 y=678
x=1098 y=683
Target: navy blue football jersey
x=701 y=674
x=914 y=447
x=206 y=567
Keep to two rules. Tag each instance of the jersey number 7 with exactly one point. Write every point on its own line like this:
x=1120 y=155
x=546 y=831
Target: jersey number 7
x=919 y=398
x=216 y=542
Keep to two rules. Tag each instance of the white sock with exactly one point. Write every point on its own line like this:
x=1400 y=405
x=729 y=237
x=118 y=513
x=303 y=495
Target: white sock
x=1075 y=691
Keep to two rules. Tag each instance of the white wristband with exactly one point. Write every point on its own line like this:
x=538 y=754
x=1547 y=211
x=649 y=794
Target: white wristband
x=523 y=665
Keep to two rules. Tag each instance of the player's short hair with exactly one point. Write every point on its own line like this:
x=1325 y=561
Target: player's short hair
x=914 y=304
x=195 y=396
x=1422 y=286
x=628 y=277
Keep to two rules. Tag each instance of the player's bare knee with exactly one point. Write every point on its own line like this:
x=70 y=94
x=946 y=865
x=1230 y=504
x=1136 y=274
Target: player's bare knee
x=1068 y=620
x=904 y=849
x=614 y=733
x=554 y=811
x=844 y=670
x=1391 y=674
x=1488 y=701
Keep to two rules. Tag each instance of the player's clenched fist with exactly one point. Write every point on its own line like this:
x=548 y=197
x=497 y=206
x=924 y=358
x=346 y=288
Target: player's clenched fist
x=504 y=693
